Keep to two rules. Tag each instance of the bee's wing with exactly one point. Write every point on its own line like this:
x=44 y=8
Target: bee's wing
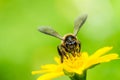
x=79 y=22
x=49 y=31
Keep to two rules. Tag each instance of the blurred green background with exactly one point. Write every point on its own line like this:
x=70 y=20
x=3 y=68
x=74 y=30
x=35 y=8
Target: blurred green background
x=24 y=49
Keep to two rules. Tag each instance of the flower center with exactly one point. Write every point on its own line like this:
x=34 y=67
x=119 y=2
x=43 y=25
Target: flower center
x=74 y=61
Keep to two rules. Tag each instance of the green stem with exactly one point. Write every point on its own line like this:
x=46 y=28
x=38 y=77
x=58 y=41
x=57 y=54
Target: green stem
x=78 y=76
x=75 y=76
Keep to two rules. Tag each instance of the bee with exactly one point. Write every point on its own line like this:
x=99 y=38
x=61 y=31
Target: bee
x=70 y=45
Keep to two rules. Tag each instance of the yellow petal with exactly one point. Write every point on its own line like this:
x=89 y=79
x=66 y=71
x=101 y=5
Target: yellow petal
x=49 y=66
x=79 y=71
x=39 y=72
x=84 y=57
x=108 y=58
x=90 y=63
x=105 y=58
x=49 y=76
x=100 y=52
x=57 y=60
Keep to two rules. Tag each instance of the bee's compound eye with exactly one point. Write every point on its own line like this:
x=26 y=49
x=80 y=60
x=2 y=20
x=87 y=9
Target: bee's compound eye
x=73 y=42
x=68 y=43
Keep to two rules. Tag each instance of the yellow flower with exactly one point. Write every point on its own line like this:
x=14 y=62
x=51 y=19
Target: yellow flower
x=77 y=64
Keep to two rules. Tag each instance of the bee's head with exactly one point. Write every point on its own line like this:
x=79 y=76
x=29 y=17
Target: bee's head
x=70 y=41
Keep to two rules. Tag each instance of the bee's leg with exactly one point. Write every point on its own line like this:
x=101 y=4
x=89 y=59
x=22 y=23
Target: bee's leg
x=64 y=51
x=60 y=53
x=73 y=53
x=78 y=48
